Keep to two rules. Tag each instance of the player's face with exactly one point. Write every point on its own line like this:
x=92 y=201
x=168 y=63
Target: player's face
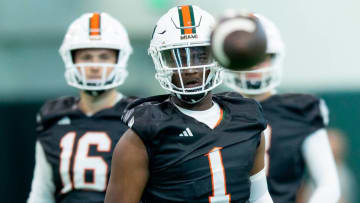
x=89 y=56
x=264 y=64
x=258 y=75
x=188 y=65
x=191 y=78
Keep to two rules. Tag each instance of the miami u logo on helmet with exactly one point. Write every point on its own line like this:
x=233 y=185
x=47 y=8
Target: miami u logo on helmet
x=187 y=22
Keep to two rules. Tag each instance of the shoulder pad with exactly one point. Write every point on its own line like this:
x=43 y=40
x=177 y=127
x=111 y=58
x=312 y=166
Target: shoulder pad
x=310 y=107
x=301 y=101
x=148 y=101
x=53 y=109
x=144 y=109
x=234 y=98
x=229 y=95
x=145 y=115
x=124 y=103
x=240 y=107
x=57 y=106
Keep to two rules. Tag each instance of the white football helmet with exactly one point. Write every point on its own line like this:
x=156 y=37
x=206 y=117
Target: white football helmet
x=181 y=42
x=96 y=30
x=263 y=79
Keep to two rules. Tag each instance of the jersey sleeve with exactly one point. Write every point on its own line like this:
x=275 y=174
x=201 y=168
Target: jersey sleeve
x=42 y=187
x=324 y=111
x=53 y=110
x=39 y=124
x=245 y=112
x=261 y=121
x=246 y=108
x=306 y=109
x=139 y=120
x=144 y=116
x=316 y=114
x=260 y=115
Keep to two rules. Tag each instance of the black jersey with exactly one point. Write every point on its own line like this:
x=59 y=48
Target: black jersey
x=291 y=117
x=190 y=162
x=79 y=148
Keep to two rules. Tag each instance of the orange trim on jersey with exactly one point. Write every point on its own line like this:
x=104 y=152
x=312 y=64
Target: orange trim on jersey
x=186 y=19
x=212 y=174
x=221 y=118
x=95 y=25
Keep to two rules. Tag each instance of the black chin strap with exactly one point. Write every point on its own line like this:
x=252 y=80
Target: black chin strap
x=192 y=98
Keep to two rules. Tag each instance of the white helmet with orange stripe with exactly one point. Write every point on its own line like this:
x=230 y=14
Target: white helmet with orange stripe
x=96 y=31
x=181 y=42
x=265 y=76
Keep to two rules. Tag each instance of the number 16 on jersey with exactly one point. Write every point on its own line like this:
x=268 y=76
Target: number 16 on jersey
x=82 y=162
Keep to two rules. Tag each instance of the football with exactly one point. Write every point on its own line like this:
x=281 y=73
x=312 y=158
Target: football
x=238 y=41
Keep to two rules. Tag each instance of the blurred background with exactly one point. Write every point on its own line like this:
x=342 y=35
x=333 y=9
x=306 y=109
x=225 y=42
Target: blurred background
x=322 y=51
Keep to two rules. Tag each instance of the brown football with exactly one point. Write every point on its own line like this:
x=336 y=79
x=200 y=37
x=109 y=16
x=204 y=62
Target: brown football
x=238 y=42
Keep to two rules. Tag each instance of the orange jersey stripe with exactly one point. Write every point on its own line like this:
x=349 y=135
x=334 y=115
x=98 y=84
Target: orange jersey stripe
x=220 y=119
x=186 y=19
x=95 y=24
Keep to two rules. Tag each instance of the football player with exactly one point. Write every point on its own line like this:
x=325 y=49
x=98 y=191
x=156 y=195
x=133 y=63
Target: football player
x=191 y=145
x=77 y=135
x=295 y=137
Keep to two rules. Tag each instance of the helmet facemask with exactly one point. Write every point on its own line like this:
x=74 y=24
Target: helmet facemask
x=184 y=61
x=258 y=81
x=109 y=75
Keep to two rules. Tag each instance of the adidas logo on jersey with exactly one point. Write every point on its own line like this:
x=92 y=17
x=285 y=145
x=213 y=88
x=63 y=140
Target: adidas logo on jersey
x=64 y=121
x=186 y=133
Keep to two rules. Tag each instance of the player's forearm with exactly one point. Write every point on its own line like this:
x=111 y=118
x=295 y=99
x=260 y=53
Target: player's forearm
x=321 y=166
x=42 y=187
x=328 y=194
x=327 y=188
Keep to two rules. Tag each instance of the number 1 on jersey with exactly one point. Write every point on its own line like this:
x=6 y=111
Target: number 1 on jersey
x=218 y=177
